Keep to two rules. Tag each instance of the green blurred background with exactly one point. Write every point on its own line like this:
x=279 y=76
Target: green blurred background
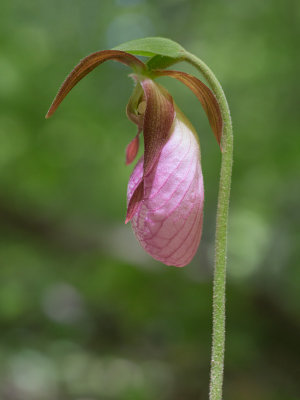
x=85 y=314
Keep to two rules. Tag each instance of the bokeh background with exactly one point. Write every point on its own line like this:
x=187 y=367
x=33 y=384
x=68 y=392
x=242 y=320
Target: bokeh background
x=85 y=314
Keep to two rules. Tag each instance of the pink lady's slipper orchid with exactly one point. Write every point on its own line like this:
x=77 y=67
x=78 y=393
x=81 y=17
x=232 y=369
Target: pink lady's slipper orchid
x=165 y=193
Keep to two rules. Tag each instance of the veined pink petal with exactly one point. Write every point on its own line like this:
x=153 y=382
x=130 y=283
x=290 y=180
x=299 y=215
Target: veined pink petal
x=167 y=221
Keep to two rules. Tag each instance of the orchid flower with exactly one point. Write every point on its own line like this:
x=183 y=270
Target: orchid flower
x=165 y=193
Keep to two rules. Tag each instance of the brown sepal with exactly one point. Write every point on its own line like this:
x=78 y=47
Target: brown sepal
x=205 y=96
x=86 y=65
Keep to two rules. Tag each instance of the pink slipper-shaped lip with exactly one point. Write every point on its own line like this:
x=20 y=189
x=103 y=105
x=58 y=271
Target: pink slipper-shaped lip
x=167 y=219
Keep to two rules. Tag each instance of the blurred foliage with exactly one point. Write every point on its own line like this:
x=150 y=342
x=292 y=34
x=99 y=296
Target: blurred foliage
x=84 y=313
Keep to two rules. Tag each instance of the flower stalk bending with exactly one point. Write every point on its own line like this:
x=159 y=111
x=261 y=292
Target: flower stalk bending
x=218 y=335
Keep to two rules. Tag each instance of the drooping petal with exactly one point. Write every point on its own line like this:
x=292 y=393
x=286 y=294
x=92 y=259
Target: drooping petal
x=86 y=65
x=167 y=221
x=155 y=115
x=205 y=96
x=158 y=119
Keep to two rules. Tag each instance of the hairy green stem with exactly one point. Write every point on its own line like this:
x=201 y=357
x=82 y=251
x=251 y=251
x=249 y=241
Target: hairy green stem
x=218 y=334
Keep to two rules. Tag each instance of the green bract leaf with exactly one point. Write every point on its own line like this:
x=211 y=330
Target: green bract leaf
x=152 y=46
x=161 y=62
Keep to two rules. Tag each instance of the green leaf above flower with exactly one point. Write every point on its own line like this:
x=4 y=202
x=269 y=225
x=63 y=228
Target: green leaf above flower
x=152 y=46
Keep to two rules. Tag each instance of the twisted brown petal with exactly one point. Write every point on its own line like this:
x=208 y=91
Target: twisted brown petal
x=158 y=119
x=158 y=115
x=86 y=65
x=205 y=96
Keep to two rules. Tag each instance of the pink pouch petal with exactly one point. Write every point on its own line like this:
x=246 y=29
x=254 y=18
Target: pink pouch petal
x=168 y=220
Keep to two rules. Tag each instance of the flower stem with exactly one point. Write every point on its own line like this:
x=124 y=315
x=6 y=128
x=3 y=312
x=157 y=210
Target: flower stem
x=218 y=334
